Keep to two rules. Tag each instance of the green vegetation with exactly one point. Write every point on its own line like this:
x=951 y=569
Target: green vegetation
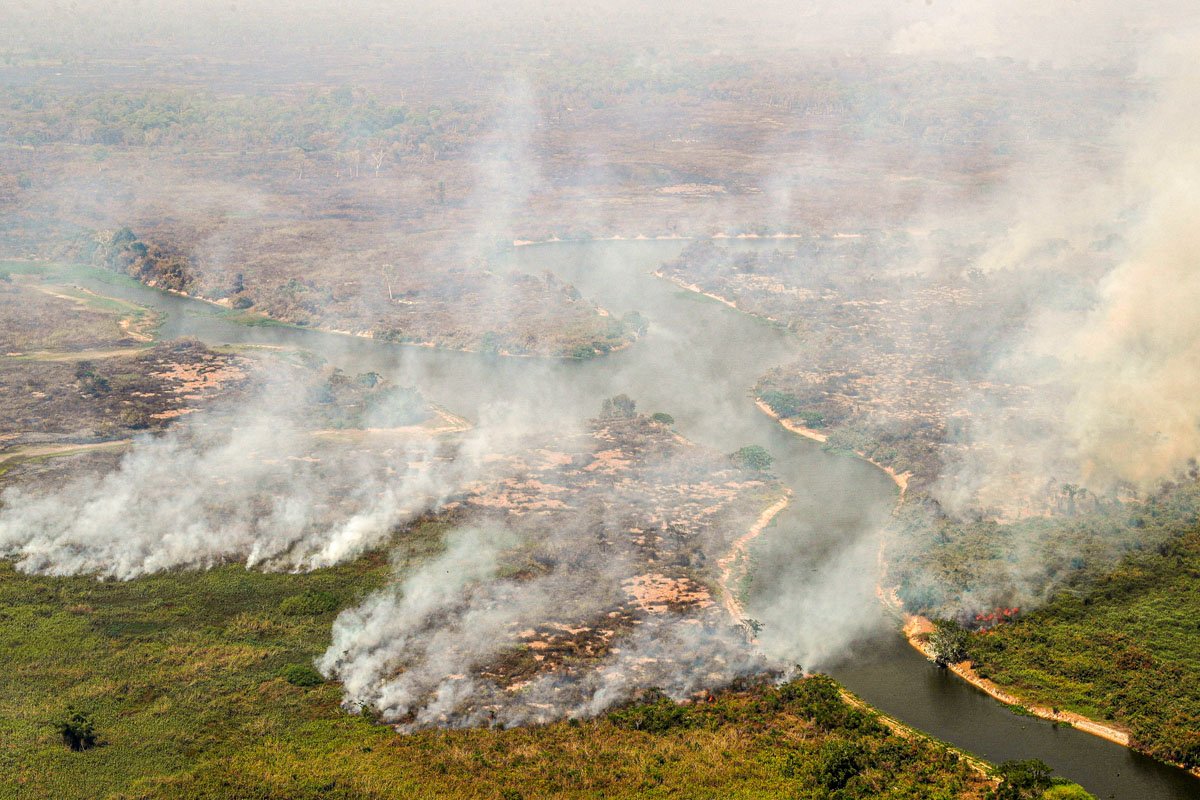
x=663 y=418
x=173 y=670
x=752 y=457
x=200 y=685
x=619 y=407
x=1123 y=646
x=1115 y=634
x=123 y=252
x=948 y=566
x=949 y=643
x=1067 y=791
x=309 y=604
x=1031 y=780
x=301 y=675
x=77 y=729
x=789 y=406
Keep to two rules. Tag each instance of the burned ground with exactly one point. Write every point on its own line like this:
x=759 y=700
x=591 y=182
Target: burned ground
x=613 y=536
x=896 y=363
x=111 y=398
x=43 y=319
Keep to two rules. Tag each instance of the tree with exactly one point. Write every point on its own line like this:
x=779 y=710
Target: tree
x=663 y=418
x=840 y=762
x=949 y=643
x=77 y=729
x=621 y=406
x=388 y=272
x=1023 y=780
x=752 y=457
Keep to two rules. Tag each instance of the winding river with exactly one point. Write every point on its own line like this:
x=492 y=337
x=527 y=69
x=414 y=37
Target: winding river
x=698 y=362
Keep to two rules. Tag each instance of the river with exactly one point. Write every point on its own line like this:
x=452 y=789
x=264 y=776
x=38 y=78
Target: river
x=698 y=362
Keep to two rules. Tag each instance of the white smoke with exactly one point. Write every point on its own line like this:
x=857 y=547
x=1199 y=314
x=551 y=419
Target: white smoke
x=201 y=496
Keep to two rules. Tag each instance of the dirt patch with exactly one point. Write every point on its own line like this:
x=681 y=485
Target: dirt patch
x=656 y=594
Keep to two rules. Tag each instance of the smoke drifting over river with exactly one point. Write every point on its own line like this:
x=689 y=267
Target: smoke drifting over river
x=1110 y=356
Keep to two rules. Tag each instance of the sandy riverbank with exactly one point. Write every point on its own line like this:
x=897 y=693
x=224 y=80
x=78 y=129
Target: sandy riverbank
x=917 y=630
x=738 y=554
x=898 y=478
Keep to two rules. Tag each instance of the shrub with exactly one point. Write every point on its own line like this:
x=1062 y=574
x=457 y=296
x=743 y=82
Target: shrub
x=819 y=699
x=665 y=419
x=840 y=762
x=301 y=675
x=1022 y=780
x=752 y=457
x=789 y=406
x=657 y=714
x=811 y=419
x=77 y=730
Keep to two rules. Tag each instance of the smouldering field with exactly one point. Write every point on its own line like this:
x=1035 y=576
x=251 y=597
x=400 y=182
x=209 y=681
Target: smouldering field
x=201 y=685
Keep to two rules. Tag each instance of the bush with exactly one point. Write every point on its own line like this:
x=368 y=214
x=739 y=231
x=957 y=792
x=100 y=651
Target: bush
x=752 y=457
x=811 y=419
x=665 y=419
x=301 y=675
x=77 y=730
x=785 y=404
x=619 y=407
x=657 y=714
x=949 y=642
x=840 y=762
x=1023 y=780
x=819 y=698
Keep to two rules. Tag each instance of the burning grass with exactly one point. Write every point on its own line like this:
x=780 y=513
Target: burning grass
x=184 y=674
x=581 y=570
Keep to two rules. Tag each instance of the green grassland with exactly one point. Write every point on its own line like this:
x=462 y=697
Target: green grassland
x=1123 y=647
x=1110 y=597
x=197 y=685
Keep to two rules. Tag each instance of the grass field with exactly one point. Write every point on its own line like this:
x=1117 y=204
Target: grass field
x=183 y=675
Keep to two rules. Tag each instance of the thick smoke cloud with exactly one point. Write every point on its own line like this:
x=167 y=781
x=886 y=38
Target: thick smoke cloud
x=1112 y=371
x=1134 y=362
x=410 y=652
x=207 y=494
